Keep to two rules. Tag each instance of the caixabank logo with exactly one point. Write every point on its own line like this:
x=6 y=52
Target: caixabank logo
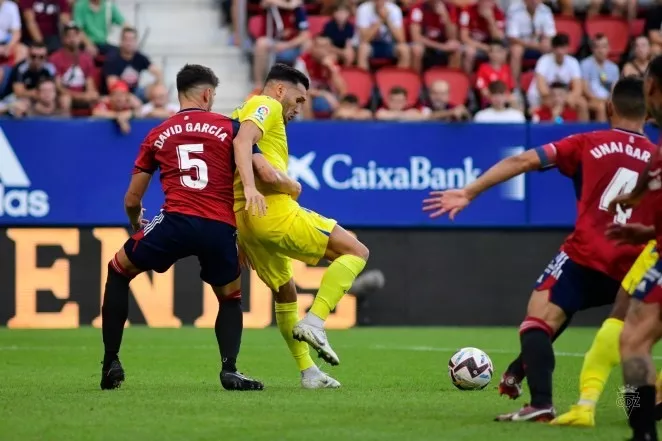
x=17 y=198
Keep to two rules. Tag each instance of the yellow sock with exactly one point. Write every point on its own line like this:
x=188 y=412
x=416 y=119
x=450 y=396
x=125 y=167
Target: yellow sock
x=658 y=386
x=599 y=361
x=287 y=315
x=337 y=279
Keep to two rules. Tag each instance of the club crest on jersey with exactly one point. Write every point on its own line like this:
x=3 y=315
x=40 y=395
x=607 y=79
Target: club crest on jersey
x=261 y=113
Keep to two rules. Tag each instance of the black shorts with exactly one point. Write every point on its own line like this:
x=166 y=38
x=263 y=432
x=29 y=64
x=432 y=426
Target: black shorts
x=171 y=236
x=573 y=287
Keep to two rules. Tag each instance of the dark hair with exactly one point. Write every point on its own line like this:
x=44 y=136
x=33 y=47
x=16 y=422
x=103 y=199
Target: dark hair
x=194 y=75
x=597 y=37
x=350 y=98
x=558 y=85
x=560 y=40
x=129 y=30
x=655 y=69
x=37 y=45
x=497 y=87
x=341 y=4
x=628 y=98
x=283 y=72
x=44 y=81
x=397 y=90
x=497 y=42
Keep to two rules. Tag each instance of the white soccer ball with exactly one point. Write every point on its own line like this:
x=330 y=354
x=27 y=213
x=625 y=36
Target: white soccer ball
x=470 y=369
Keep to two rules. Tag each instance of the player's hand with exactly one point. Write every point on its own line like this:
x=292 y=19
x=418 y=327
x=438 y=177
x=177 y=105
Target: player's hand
x=624 y=201
x=255 y=202
x=244 y=260
x=142 y=222
x=297 y=191
x=449 y=201
x=633 y=234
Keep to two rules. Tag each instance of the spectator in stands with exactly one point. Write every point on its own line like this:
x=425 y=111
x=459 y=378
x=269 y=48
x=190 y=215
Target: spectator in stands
x=599 y=74
x=96 y=19
x=396 y=108
x=653 y=27
x=117 y=106
x=591 y=8
x=349 y=109
x=128 y=63
x=480 y=23
x=158 y=105
x=15 y=108
x=11 y=51
x=43 y=20
x=26 y=75
x=497 y=69
x=320 y=66
x=559 y=67
x=381 y=33
x=289 y=42
x=434 y=34
x=439 y=106
x=498 y=112
x=642 y=55
x=74 y=70
x=341 y=33
x=558 y=110
x=529 y=27
x=46 y=102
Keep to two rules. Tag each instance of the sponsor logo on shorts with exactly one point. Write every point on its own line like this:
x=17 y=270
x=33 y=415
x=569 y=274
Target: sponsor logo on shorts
x=16 y=197
x=261 y=113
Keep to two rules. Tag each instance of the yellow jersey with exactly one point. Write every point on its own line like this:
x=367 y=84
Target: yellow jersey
x=267 y=114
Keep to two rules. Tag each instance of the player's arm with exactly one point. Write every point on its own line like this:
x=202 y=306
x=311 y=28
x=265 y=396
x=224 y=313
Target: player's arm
x=274 y=179
x=248 y=135
x=133 y=199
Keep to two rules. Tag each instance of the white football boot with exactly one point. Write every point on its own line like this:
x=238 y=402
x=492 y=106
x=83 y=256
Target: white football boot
x=316 y=337
x=317 y=379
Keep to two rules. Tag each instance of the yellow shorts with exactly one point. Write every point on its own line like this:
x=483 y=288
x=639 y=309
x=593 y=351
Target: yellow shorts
x=287 y=231
x=644 y=262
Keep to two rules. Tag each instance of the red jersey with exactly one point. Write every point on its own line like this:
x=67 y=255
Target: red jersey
x=193 y=151
x=654 y=196
x=432 y=24
x=602 y=165
x=73 y=69
x=319 y=74
x=544 y=113
x=479 y=29
x=487 y=75
x=47 y=14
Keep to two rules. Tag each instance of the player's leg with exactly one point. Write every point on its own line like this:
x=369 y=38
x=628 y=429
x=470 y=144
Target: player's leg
x=348 y=257
x=641 y=331
x=604 y=352
x=555 y=298
x=148 y=249
x=216 y=249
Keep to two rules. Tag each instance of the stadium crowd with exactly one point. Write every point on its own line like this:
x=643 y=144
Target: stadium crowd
x=55 y=60
x=456 y=60
x=411 y=60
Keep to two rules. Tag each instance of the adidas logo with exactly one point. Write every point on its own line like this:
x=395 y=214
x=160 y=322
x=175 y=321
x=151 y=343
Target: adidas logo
x=16 y=198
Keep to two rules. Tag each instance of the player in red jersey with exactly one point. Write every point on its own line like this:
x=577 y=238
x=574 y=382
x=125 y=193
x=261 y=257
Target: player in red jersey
x=643 y=322
x=589 y=267
x=195 y=155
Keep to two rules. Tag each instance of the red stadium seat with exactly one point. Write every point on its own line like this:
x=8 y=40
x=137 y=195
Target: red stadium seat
x=525 y=80
x=359 y=83
x=573 y=28
x=389 y=77
x=257 y=26
x=457 y=80
x=316 y=24
x=616 y=31
x=637 y=27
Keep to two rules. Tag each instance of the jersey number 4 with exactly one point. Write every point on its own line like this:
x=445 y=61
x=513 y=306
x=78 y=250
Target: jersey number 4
x=186 y=163
x=624 y=181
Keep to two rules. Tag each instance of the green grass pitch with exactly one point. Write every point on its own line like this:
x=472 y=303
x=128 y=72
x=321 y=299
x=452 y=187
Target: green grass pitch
x=395 y=387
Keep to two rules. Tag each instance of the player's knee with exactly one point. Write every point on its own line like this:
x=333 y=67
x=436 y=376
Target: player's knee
x=632 y=341
x=361 y=251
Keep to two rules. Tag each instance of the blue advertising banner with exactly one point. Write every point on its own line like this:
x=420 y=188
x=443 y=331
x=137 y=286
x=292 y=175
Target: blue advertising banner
x=75 y=172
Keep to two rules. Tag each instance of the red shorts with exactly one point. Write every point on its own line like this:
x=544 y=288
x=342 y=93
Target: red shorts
x=650 y=287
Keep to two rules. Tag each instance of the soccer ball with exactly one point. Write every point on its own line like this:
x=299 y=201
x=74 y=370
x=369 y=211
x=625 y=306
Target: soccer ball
x=470 y=369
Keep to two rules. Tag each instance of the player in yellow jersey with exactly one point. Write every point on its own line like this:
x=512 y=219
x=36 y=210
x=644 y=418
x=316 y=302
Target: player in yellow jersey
x=604 y=352
x=288 y=231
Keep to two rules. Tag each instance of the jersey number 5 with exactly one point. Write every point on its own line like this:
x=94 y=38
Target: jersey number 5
x=624 y=181
x=186 y=163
